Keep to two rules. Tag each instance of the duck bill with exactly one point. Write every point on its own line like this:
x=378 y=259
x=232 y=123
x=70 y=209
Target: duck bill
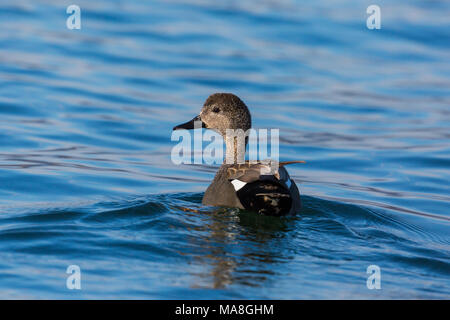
x=195 y=123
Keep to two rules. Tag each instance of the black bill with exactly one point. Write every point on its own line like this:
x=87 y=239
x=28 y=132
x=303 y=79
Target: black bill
x=189 y=124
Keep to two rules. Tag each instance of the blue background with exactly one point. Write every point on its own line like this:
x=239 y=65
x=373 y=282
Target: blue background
x=85 y=172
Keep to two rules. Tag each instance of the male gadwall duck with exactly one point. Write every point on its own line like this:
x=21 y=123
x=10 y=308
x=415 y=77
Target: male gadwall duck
x=252 y=186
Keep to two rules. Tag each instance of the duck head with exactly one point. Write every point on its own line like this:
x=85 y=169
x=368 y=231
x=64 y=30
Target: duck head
x=221 y=111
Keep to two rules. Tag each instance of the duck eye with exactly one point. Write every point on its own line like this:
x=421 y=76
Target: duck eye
x=216 y=109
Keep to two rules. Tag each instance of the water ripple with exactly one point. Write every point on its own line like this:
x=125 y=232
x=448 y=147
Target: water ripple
x=86 y=176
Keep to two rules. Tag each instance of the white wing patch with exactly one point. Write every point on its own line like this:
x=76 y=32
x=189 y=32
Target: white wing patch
x=238 y=184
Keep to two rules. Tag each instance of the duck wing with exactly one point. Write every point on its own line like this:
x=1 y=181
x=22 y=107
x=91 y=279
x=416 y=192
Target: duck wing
x=266 y=191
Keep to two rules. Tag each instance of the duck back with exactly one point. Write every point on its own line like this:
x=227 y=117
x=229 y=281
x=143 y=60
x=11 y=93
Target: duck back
x=246 y=186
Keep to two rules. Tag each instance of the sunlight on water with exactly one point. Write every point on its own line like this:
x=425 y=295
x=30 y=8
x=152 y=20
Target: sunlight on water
x=85 y=125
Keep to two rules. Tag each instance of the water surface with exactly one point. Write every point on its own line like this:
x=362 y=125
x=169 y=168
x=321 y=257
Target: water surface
x=85 y=171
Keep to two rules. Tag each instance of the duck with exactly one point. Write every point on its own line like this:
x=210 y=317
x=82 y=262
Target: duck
x=249 y=185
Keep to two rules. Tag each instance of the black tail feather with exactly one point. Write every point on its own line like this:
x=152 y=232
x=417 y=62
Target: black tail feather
x=266 y=198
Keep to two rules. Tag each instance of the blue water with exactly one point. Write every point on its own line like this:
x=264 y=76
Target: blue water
x=85 y=125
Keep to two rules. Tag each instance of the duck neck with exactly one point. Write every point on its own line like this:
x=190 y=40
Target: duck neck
x=235 y=148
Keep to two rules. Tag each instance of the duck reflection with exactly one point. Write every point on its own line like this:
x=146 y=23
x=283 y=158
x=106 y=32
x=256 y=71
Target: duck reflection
x=238 y=247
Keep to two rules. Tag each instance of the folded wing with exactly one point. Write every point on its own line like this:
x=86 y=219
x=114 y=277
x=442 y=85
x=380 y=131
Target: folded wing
x=264 y=190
